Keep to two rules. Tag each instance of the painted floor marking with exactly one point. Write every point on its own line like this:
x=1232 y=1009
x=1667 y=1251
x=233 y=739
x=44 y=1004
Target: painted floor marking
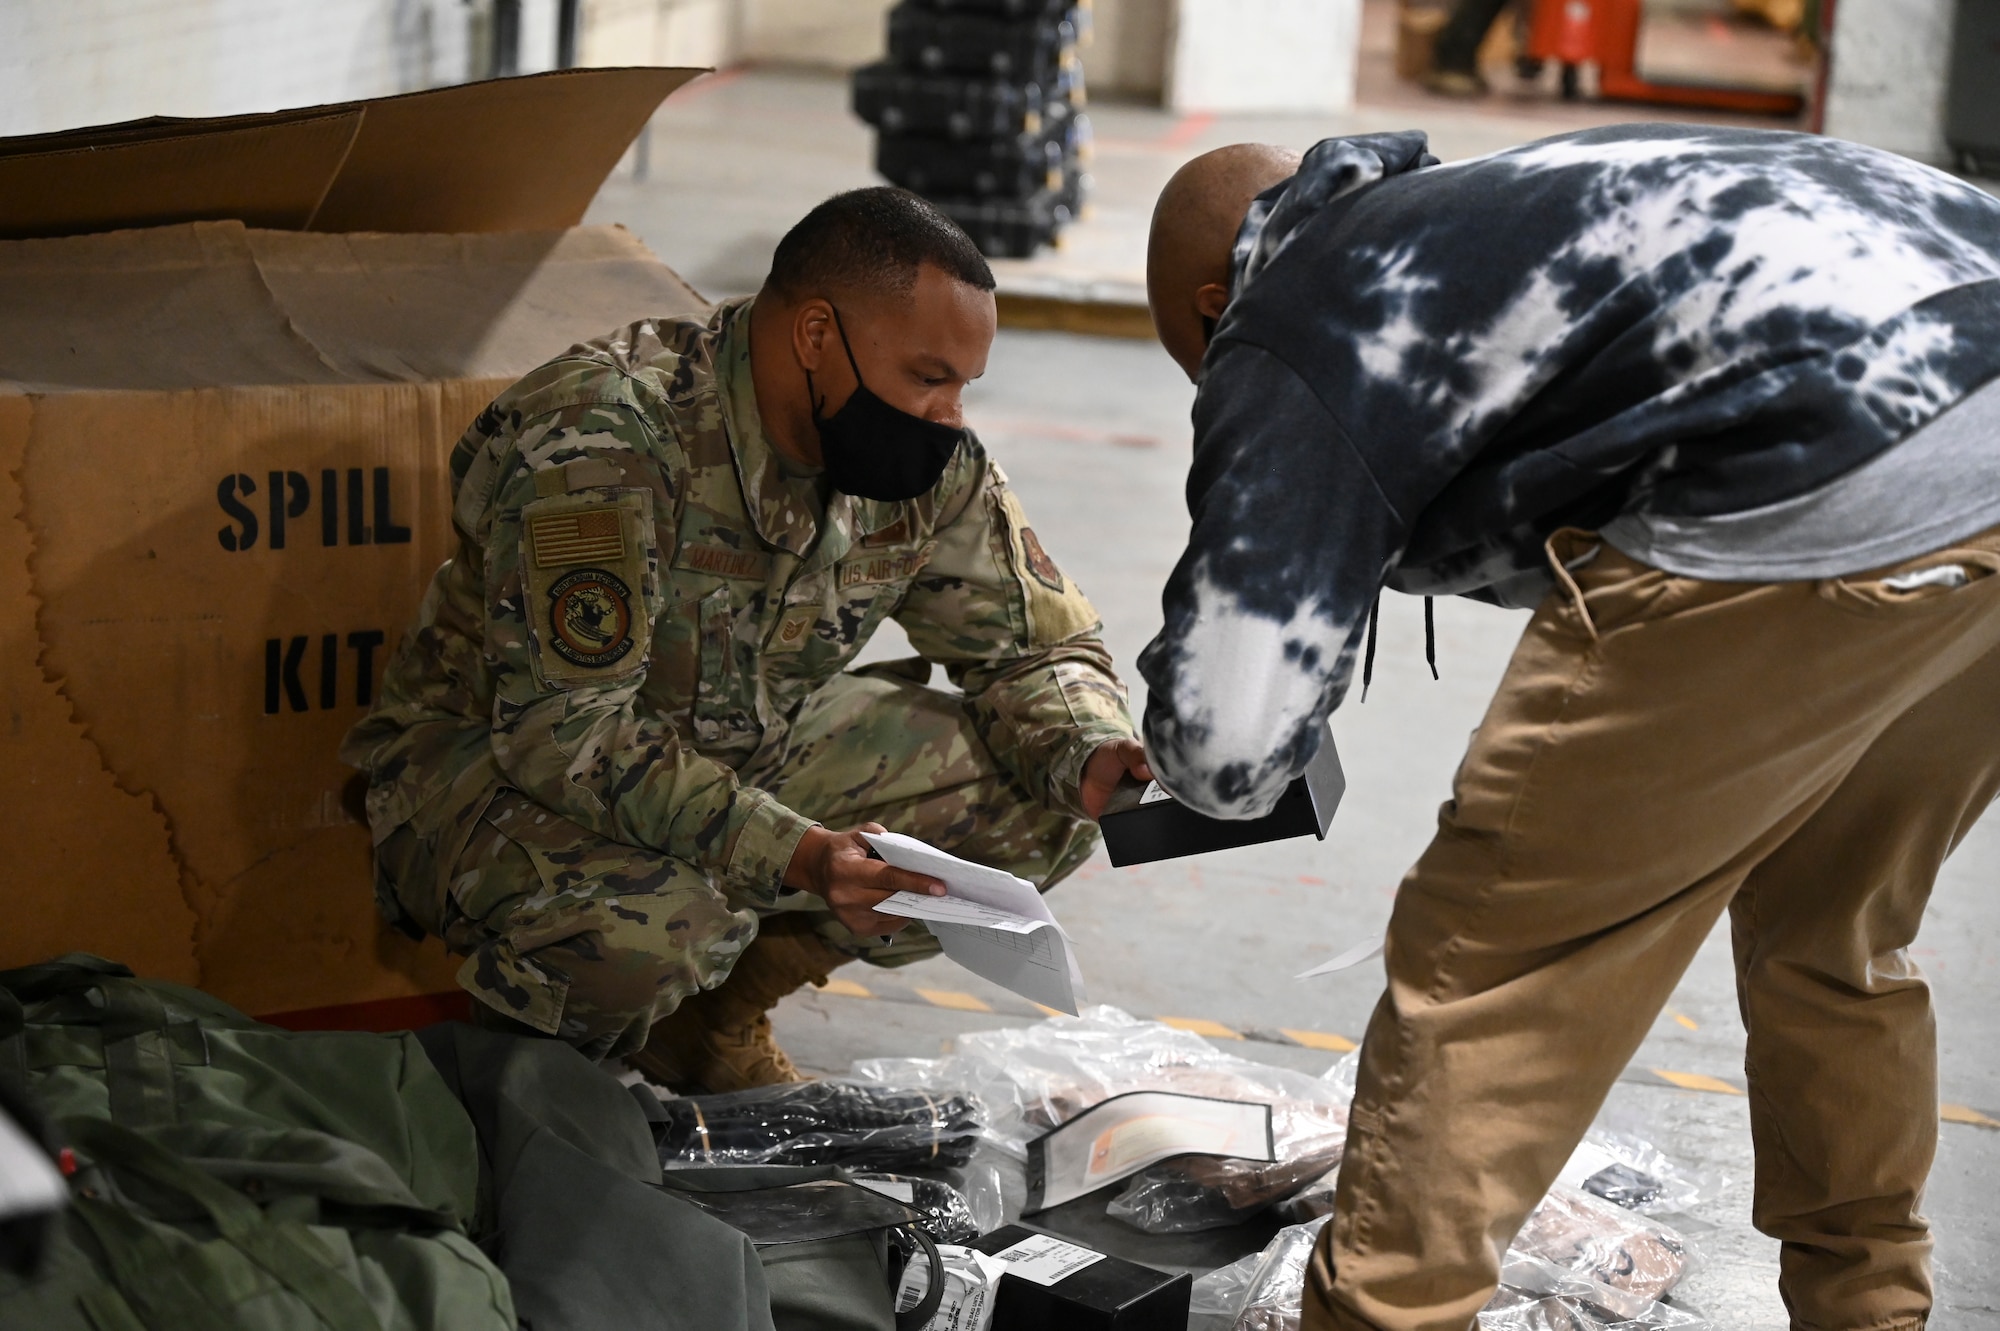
x=1697 y=1081
x=952 y=998
x=1214 y=1030
x=1339 y=1044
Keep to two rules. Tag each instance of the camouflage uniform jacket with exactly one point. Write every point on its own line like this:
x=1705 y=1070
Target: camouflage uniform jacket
x=644 y=597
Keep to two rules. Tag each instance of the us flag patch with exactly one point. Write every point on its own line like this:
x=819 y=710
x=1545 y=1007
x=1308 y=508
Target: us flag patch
x=592 y=537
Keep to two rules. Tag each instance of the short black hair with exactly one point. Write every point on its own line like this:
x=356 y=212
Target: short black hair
x=872 y=239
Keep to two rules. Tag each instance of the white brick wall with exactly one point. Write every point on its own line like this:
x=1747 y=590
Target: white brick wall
x=65 y=63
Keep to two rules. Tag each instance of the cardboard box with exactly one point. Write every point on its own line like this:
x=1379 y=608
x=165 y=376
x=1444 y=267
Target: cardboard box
x=223 y=490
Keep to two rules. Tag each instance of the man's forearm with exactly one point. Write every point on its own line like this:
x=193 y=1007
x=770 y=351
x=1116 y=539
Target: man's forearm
x=1044 y=717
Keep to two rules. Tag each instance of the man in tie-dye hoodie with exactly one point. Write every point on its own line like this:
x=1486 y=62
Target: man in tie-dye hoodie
x=1724 y=406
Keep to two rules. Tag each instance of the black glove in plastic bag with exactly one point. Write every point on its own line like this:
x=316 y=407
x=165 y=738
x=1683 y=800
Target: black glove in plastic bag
x=820 y=1123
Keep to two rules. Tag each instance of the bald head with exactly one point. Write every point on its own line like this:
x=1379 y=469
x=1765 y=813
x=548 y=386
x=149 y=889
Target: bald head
x=1194 y=230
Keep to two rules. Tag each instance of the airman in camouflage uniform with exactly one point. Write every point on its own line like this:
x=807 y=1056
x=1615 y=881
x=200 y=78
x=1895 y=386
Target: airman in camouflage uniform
x=627 y=698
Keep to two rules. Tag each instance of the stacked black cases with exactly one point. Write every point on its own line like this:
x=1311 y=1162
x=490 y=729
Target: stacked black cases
x=979 y=109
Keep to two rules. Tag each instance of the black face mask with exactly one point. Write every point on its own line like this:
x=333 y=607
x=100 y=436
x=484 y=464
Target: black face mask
x=874 y=451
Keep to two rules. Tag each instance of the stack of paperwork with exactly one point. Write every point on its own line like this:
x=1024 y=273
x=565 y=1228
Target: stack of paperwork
x=995 y=925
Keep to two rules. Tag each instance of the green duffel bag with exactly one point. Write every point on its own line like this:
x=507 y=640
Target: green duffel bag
x=229 y=1174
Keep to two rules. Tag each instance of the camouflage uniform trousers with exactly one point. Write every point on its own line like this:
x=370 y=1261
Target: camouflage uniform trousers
x=594 y=940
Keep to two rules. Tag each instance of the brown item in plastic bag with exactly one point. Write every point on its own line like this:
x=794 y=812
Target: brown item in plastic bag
x=1607 y=1243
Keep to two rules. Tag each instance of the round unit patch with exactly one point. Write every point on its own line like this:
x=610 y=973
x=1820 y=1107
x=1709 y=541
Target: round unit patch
x=590 y=618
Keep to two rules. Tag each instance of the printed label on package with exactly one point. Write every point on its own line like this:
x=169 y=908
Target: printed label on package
x=1046 y=1260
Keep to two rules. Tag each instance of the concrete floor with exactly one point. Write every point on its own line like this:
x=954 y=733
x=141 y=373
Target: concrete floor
x=1094 y=433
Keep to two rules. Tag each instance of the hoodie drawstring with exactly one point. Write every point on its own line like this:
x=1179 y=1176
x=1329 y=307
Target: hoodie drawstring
x=1430 y=639
x=1374 y=623
x=1368 y=653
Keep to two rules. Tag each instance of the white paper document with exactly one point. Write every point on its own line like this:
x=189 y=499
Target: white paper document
x=995 y=925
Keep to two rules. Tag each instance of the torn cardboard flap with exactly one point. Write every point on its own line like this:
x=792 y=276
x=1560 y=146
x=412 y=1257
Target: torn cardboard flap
x=215 y=304
x=231 y=447
x=519 y=154
x=271 y=174
x=516 y=154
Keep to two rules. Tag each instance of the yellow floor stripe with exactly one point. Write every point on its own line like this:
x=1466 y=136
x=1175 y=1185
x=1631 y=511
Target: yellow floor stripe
x=1340 y=1044
x=951 y=998
x=1967 y=1114
x=1695 y=1081
x=1686 y=1021
x=845 y=989
x=1215 y=1030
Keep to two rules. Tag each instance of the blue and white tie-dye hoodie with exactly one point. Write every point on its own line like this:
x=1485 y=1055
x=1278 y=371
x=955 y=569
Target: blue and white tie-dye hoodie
x=1424 y=370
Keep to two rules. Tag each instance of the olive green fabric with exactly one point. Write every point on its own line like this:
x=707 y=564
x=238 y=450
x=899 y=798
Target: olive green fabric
x=570 y=1205
x=235 y=1175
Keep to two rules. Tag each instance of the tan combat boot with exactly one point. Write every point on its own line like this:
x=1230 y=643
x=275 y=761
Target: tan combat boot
x=721 y=1039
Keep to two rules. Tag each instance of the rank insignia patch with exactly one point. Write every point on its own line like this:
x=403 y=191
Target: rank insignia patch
x=1039 y=564
x=590 y=618
x=795 y=630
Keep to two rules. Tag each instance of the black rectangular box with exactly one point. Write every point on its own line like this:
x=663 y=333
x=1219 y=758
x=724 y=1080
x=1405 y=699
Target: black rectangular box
x=1012 y=167
x=1166 y=829
x=1012 y=228
x=1110 y=1294
x=976 y=44
x=899 y=101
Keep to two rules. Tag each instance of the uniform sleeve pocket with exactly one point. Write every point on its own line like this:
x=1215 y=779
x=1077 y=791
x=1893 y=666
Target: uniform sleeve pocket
x=715 y=614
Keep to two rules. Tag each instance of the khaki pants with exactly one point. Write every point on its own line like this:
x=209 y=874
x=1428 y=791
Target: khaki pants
x=1804 y=754
x=593 y=940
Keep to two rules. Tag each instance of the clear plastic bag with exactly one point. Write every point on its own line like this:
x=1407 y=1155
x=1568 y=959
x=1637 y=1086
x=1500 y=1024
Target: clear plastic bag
x=1537 y=1296
x=1217 y=1298
x=1274 y=1293
x=1196 y=1192
x=1266 y=1291
x=1032 y=1078
x=984 y=1187
x=819 y=1123
x=1607 y=1244
x=942 y=1210
x=1572 y=1231
x=1035 y=1078
x=1628 y=1170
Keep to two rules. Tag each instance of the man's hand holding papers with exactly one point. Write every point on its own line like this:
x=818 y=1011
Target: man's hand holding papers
x=988 y=921
x=838 y=867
